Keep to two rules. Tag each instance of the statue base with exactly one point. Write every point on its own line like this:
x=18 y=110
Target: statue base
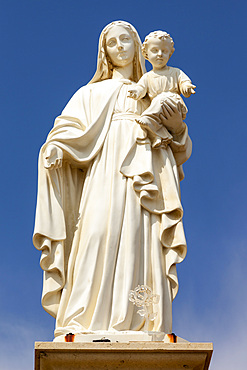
x=131 y=355
x=120 y=337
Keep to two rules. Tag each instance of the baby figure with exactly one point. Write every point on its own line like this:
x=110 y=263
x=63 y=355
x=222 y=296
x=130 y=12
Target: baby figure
x=161 y=83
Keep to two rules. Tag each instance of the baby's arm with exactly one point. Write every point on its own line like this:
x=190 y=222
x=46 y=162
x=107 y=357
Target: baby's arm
x=185 y=85
x=139 y=90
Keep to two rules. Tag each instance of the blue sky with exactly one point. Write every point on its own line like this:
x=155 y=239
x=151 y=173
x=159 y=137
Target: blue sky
x=48 y=51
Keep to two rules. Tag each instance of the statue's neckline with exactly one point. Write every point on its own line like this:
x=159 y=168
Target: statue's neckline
x=125 y=81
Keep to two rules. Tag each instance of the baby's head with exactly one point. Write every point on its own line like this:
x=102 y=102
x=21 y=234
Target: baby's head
x=157 y=48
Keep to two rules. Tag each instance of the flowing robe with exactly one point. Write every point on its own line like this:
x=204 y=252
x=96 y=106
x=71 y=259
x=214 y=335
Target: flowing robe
x=111 y=217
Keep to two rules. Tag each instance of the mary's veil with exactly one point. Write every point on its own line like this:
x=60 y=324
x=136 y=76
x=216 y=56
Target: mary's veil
x=104 y=67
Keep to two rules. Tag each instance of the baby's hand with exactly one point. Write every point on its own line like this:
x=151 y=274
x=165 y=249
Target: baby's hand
x=187 y=89
x=134 y=94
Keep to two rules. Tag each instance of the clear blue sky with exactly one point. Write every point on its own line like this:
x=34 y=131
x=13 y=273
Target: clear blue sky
x=48 y=51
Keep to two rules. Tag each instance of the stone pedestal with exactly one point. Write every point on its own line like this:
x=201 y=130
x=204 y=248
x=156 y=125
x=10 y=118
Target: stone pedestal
x=132 y=355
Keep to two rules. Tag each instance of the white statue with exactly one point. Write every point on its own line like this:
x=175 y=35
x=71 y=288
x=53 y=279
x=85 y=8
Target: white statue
x=158 y=47
x=108 y=215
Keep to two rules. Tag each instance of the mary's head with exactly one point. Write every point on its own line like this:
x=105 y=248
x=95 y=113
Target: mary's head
x=119 y=46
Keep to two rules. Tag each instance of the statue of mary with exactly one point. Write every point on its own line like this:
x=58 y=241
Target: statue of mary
x=108 y=215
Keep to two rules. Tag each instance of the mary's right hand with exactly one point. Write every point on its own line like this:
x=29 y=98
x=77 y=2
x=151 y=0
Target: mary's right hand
x=53 y=157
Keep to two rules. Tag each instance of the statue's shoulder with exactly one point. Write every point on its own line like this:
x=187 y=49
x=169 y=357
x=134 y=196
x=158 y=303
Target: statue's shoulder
x=101 y=92
x=173 y=70
x=98 y=87
x=105 y=84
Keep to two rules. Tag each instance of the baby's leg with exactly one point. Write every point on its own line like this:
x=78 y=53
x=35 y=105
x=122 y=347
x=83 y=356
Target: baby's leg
x=150 y=121
x=151 y=116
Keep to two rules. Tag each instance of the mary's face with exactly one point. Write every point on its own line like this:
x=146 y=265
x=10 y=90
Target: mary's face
x=120 y=46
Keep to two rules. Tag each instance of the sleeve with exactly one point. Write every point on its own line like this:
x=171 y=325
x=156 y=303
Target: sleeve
x=142 y=86
x=80 y=132
x=182 y=78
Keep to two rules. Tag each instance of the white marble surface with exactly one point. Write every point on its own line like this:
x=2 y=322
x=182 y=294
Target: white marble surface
x=109 y=215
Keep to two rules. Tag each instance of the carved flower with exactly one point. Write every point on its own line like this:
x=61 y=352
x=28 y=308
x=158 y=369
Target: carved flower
x=142 y=295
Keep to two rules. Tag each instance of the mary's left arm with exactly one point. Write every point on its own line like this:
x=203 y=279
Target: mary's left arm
x=181 y=144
